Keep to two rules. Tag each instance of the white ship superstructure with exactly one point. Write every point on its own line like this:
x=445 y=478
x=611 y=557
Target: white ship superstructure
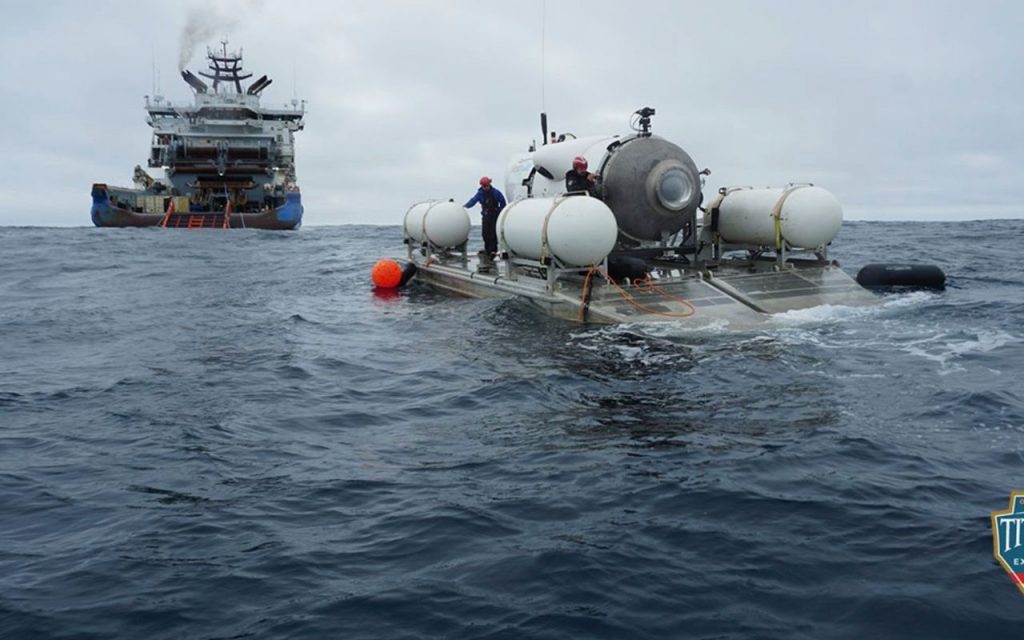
x=224 y=160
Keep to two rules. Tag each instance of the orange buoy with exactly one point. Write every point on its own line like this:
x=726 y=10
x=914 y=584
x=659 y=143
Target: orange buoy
x=387 y=274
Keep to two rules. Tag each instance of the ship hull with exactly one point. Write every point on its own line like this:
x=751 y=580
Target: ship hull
x=286 y=217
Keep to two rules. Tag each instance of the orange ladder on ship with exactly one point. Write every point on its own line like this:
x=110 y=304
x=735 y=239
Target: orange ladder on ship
x=197 y=220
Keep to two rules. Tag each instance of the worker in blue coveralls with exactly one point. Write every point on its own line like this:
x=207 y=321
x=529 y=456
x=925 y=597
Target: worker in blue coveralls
x=491 y=203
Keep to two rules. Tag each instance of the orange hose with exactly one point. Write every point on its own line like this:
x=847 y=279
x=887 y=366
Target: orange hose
x=646 y=285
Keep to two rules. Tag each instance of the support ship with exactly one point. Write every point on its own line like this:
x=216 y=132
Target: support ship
x=222 y=162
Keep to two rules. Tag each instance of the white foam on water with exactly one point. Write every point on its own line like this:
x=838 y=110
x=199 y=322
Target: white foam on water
x=828 y=314
x=832 y=327
x=817 y=316
x=683 y=328
x=910 y=299
x=948 y=350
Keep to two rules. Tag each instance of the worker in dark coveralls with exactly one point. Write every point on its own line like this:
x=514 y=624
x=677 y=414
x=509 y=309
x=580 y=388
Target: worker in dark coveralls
x=491 y=203
x=578 y=180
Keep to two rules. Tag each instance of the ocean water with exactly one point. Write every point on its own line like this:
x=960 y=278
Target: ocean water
x=211 y=434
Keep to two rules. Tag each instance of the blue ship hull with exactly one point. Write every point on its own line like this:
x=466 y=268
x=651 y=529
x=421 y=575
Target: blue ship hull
x=285 y=217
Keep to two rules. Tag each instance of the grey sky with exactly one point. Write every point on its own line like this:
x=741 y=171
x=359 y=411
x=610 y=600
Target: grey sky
x=906 y=110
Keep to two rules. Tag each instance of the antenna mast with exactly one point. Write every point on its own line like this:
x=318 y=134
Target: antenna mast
x=543 y=39
x=543 y=74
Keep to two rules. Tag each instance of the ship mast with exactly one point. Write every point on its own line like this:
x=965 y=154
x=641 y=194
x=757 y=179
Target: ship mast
x=226 y=68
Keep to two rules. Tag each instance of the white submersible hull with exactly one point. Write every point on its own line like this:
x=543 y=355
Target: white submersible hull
x=647 y=248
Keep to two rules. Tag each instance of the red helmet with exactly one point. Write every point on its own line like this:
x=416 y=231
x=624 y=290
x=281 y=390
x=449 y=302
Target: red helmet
x=579 y=163
x=485 y=181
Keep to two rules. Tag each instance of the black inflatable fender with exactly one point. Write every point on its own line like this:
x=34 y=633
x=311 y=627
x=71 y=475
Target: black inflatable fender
x=921 y=276
x=408 y=271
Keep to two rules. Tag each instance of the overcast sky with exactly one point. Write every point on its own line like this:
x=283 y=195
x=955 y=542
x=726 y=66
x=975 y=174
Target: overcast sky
x=904 y=109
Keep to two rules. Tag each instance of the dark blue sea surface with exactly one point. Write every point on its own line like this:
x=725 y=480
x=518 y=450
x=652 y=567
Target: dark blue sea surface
x=210 y=434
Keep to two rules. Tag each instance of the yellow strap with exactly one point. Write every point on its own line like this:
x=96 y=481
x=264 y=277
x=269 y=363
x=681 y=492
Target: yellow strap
x=777 y=213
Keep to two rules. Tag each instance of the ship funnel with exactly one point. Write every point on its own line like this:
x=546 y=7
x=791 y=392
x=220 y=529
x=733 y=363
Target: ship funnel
x=257 y=86
x=193 y=81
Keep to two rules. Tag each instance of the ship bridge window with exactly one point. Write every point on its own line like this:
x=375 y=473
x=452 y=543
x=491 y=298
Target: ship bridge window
x=226 y=114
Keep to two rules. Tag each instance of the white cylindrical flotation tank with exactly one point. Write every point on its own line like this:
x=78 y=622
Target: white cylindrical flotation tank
x=805 y=216
x=577 y=230
x=413 y=223
x=442 y=223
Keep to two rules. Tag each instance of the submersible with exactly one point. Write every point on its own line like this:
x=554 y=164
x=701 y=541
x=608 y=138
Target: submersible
x=646 y=245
